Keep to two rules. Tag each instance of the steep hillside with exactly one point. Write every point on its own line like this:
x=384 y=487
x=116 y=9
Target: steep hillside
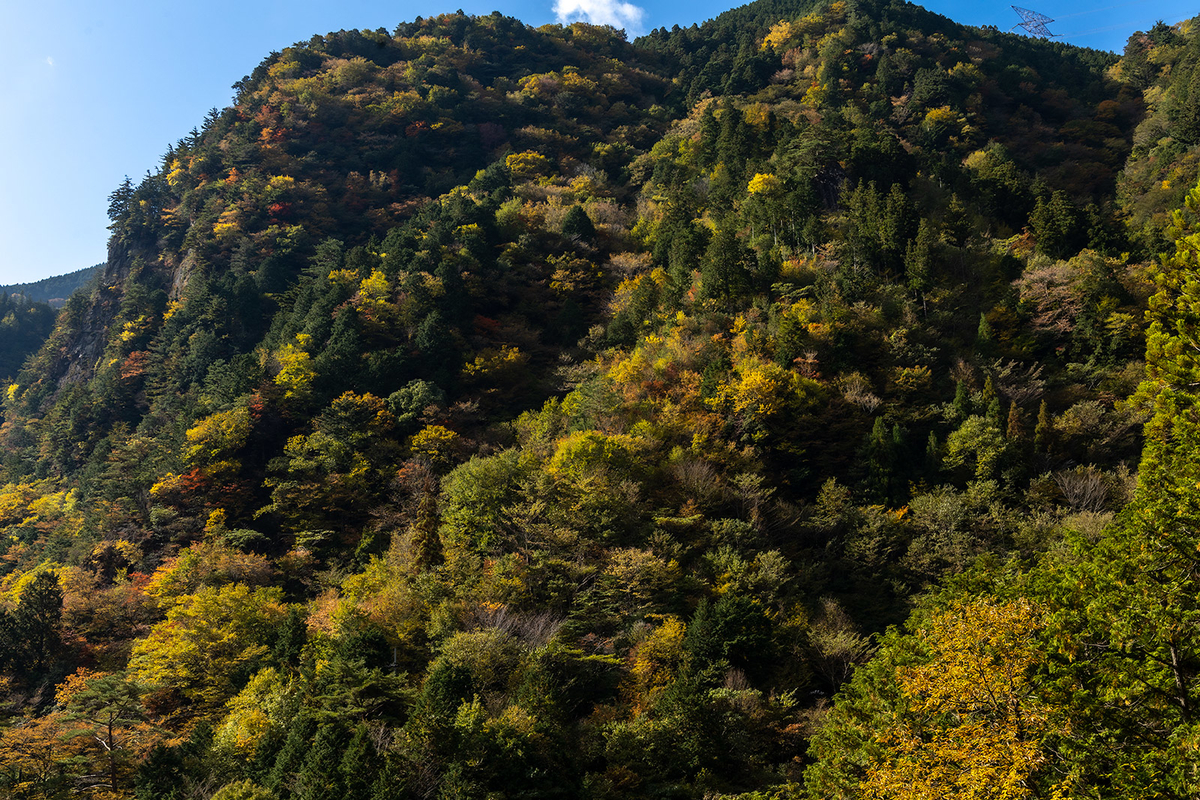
x=476 y=410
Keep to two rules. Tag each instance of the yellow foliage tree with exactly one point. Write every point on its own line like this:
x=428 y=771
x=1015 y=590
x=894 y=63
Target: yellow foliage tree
x=37 y=752
x=296 y=372
x=655 y=661
x=527 y=165
x=14 y=501
x=763 y=184
x=780 y=34
x=207 y=639
x=764 y=394
x=434 y=443
x=176 y=174
x=250 y=716
x=213 y=442
x=207 y=563
x=373 y=299
x=971 y=725
x=228 y=224
x=496 y=364
x=588 y=452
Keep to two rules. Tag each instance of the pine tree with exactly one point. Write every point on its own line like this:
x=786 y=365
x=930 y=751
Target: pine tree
x=1055 y=224
x=291 y=756
x=962 y=400
x=933 y=456
x=1015 y=427
x=864 y=210
x=1043 y=431
x=1185 y=115
x=895 y=230
x=890 y=82
x=984 y=340
x=994 y=411
x=733 y=143
x=724 y=275
x=360 y=765
x=118 y=202
x=339 y=364
x=577 y=224
x=918 y=260
x=320 y=777
x=293 y=634
x=710 y=132
x=881 y=462
x=37 y=621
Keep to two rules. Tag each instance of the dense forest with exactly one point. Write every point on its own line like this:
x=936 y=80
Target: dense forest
x=798 y=405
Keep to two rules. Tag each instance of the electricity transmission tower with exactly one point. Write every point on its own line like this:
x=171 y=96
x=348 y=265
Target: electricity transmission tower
x=1033 y=22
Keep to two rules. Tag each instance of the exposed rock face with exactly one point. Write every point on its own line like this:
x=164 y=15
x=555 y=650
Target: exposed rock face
x=80 y=356
x=182 y=274
x=82 y=353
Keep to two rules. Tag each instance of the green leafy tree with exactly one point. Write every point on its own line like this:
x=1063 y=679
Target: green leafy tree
x=977 y=443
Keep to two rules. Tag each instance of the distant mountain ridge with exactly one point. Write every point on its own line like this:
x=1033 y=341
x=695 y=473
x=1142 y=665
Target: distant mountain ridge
x=53 y=290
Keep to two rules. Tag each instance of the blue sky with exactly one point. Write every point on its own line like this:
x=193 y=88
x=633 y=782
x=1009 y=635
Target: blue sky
x=94 y=92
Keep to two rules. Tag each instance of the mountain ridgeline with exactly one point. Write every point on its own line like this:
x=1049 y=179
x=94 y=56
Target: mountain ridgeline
x=27 y=315
x=54 y=291
x=795 y=405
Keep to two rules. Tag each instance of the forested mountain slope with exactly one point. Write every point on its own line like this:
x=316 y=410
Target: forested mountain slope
x=54 y=290
x=474 y=410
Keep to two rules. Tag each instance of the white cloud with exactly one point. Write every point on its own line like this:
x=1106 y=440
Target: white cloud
x=50 y=60
x=601 y=12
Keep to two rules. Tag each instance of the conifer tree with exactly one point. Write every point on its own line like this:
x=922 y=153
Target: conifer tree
x=1134 y=596
x=984 y=339
x=578 y=224
x=725 y=275
x=918 y=260
x=320 y=778
x=1043 y=430
x=962 y=400
x=37 y=621
x=1014 y=429
x=710 y=131
x=933 y=455
x=1185 y=115
x=881 y=455
x=359 y=766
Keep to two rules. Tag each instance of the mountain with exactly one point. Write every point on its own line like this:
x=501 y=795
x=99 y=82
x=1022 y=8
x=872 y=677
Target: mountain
x=480 y=410
x=53 y=290
x=27 y=316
